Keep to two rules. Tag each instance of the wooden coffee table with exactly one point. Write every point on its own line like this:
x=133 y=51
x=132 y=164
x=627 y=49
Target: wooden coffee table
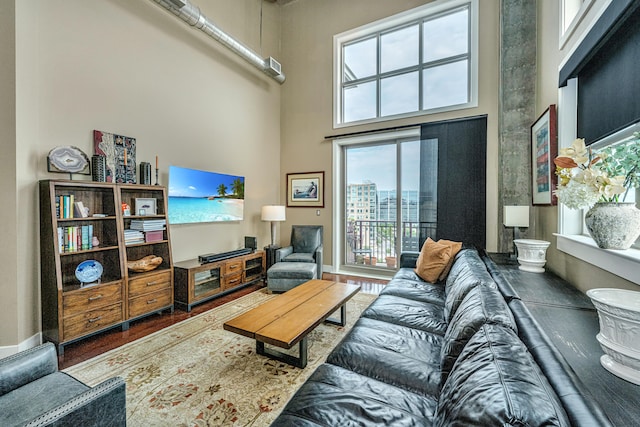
x=287 y=319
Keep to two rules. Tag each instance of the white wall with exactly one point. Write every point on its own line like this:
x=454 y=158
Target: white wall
x=308 y=27
x=131 y=67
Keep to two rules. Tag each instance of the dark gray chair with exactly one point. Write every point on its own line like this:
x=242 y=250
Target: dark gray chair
x=306 y=246
x=34 y=393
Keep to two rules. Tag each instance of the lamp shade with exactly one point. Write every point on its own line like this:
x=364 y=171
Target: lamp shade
x=273 y=213
x=516 y=216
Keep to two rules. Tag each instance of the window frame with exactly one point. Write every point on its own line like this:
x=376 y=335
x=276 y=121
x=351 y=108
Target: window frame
x=572 y=239
x=416 y=16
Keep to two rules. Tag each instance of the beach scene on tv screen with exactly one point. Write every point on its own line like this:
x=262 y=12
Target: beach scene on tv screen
x=202 y=196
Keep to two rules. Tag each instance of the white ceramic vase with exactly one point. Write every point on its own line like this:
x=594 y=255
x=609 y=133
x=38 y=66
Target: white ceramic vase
x=613 y=225
x=532 y=254
x=619 y=337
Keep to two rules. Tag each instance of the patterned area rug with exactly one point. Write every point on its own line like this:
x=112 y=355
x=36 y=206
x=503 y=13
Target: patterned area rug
x=195 y=373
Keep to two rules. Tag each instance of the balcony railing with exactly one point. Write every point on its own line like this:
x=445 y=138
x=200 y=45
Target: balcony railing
x=371 y=242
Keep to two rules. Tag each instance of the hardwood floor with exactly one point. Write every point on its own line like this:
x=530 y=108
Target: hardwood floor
x=108 y=340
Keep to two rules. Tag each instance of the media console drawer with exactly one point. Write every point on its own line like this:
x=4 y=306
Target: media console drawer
x=91 y=321
x=149 y=302
x=149 y=283
x=89 y=298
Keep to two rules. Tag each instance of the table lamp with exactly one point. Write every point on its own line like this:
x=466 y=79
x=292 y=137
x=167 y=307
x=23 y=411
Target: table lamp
x=516 y=217
x=274 y=214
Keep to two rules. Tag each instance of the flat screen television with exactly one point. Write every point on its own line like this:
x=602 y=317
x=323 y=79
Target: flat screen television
x=202 y=196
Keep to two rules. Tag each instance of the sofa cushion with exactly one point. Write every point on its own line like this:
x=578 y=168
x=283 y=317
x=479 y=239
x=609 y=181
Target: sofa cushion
x=405 y=342
x=407 y=284
x=38 y=397
x=388 y=366
x=467 y=272
x=421 y=315
x=482 y=304
x=433 y=259
x=333 y=396
x=495 y=382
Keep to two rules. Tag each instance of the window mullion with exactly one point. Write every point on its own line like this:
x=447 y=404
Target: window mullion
x=378 y=80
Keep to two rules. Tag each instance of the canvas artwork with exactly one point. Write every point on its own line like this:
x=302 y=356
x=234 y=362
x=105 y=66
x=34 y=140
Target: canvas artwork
x=120 y=154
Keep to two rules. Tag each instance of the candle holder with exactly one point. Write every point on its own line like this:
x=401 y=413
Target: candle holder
x=157 y=176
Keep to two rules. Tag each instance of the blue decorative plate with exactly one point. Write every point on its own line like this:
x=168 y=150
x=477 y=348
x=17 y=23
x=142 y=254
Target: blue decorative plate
x=89 y=271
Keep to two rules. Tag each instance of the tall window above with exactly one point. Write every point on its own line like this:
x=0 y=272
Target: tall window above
x=417 y=62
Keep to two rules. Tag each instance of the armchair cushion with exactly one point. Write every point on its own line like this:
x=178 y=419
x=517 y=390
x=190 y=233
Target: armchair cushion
x=299 y=257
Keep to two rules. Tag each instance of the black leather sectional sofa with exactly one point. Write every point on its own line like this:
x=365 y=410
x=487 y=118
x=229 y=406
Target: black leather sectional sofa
x=462 y=352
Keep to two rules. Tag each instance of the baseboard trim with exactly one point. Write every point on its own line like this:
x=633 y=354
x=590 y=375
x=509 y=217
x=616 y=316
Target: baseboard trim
x=30 y=342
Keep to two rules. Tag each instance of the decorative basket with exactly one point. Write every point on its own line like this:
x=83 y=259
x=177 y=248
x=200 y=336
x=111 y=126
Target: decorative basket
x=148 y=263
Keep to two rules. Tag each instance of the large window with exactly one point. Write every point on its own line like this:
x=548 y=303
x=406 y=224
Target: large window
x=417 y=62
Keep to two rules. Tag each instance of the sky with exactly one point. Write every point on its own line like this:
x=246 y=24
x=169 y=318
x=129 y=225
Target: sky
x=185 y=182
x=378 y=164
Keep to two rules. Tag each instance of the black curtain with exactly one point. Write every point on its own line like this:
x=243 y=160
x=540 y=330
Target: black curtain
x=461 y=179
x=609 y=85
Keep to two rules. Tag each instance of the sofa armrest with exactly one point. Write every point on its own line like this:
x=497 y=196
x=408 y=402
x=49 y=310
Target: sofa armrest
x=103 y=406
x=283 y=252
x=27 y=366
x=408 y=259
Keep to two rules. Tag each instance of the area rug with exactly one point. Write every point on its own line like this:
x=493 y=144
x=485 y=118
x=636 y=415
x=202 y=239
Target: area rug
x=195 y=373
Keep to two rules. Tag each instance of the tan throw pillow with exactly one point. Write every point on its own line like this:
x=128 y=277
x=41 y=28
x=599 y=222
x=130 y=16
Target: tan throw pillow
x=455 y=248
x=433 y=259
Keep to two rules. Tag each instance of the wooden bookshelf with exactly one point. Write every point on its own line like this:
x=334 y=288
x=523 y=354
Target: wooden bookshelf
x=72 y=310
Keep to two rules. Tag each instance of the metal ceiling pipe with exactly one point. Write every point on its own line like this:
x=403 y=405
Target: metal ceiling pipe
x=190 y=14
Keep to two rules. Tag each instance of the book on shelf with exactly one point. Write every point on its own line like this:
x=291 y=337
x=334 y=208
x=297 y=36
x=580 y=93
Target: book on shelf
x=148 y=224
x=133 y=236
x=65 y=206
x=80 y=210
x=75 y=238
x=154 y=236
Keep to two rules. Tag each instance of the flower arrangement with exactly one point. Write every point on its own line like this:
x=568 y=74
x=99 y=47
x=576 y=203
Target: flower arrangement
x=586 y=179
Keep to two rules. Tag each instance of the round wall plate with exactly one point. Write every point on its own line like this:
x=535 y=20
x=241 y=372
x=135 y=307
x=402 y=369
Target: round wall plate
x=88 y=271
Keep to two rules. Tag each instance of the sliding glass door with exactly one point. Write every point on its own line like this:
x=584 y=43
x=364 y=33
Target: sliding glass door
x=390 y=199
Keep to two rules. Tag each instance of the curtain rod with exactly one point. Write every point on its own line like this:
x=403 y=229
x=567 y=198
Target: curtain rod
x=364 y=132
x=437 y=122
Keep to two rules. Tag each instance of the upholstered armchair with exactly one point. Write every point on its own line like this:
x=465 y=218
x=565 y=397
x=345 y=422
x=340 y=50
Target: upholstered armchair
x=34 y=393
x=306 y=246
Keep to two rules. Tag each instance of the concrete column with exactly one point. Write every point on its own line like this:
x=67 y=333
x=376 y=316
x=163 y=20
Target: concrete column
x=517 y=108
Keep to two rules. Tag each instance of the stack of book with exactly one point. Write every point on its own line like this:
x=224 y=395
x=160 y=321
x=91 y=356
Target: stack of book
x=153 y=228
x=132 y=237
x=148 y=224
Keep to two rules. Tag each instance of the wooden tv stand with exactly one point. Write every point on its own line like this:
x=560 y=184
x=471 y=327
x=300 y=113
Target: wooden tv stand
x=195 y=283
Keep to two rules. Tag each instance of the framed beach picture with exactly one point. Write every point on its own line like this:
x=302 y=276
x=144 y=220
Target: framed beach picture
x=544 y=149
x=305 y=189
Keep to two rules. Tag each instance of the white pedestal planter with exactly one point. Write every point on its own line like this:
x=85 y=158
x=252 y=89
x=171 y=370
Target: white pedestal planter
x=619 y=337
x=532 y=254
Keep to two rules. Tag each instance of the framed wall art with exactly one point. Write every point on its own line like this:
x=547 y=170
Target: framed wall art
x=120 y=155
x=544 y=149
x=305 y=190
